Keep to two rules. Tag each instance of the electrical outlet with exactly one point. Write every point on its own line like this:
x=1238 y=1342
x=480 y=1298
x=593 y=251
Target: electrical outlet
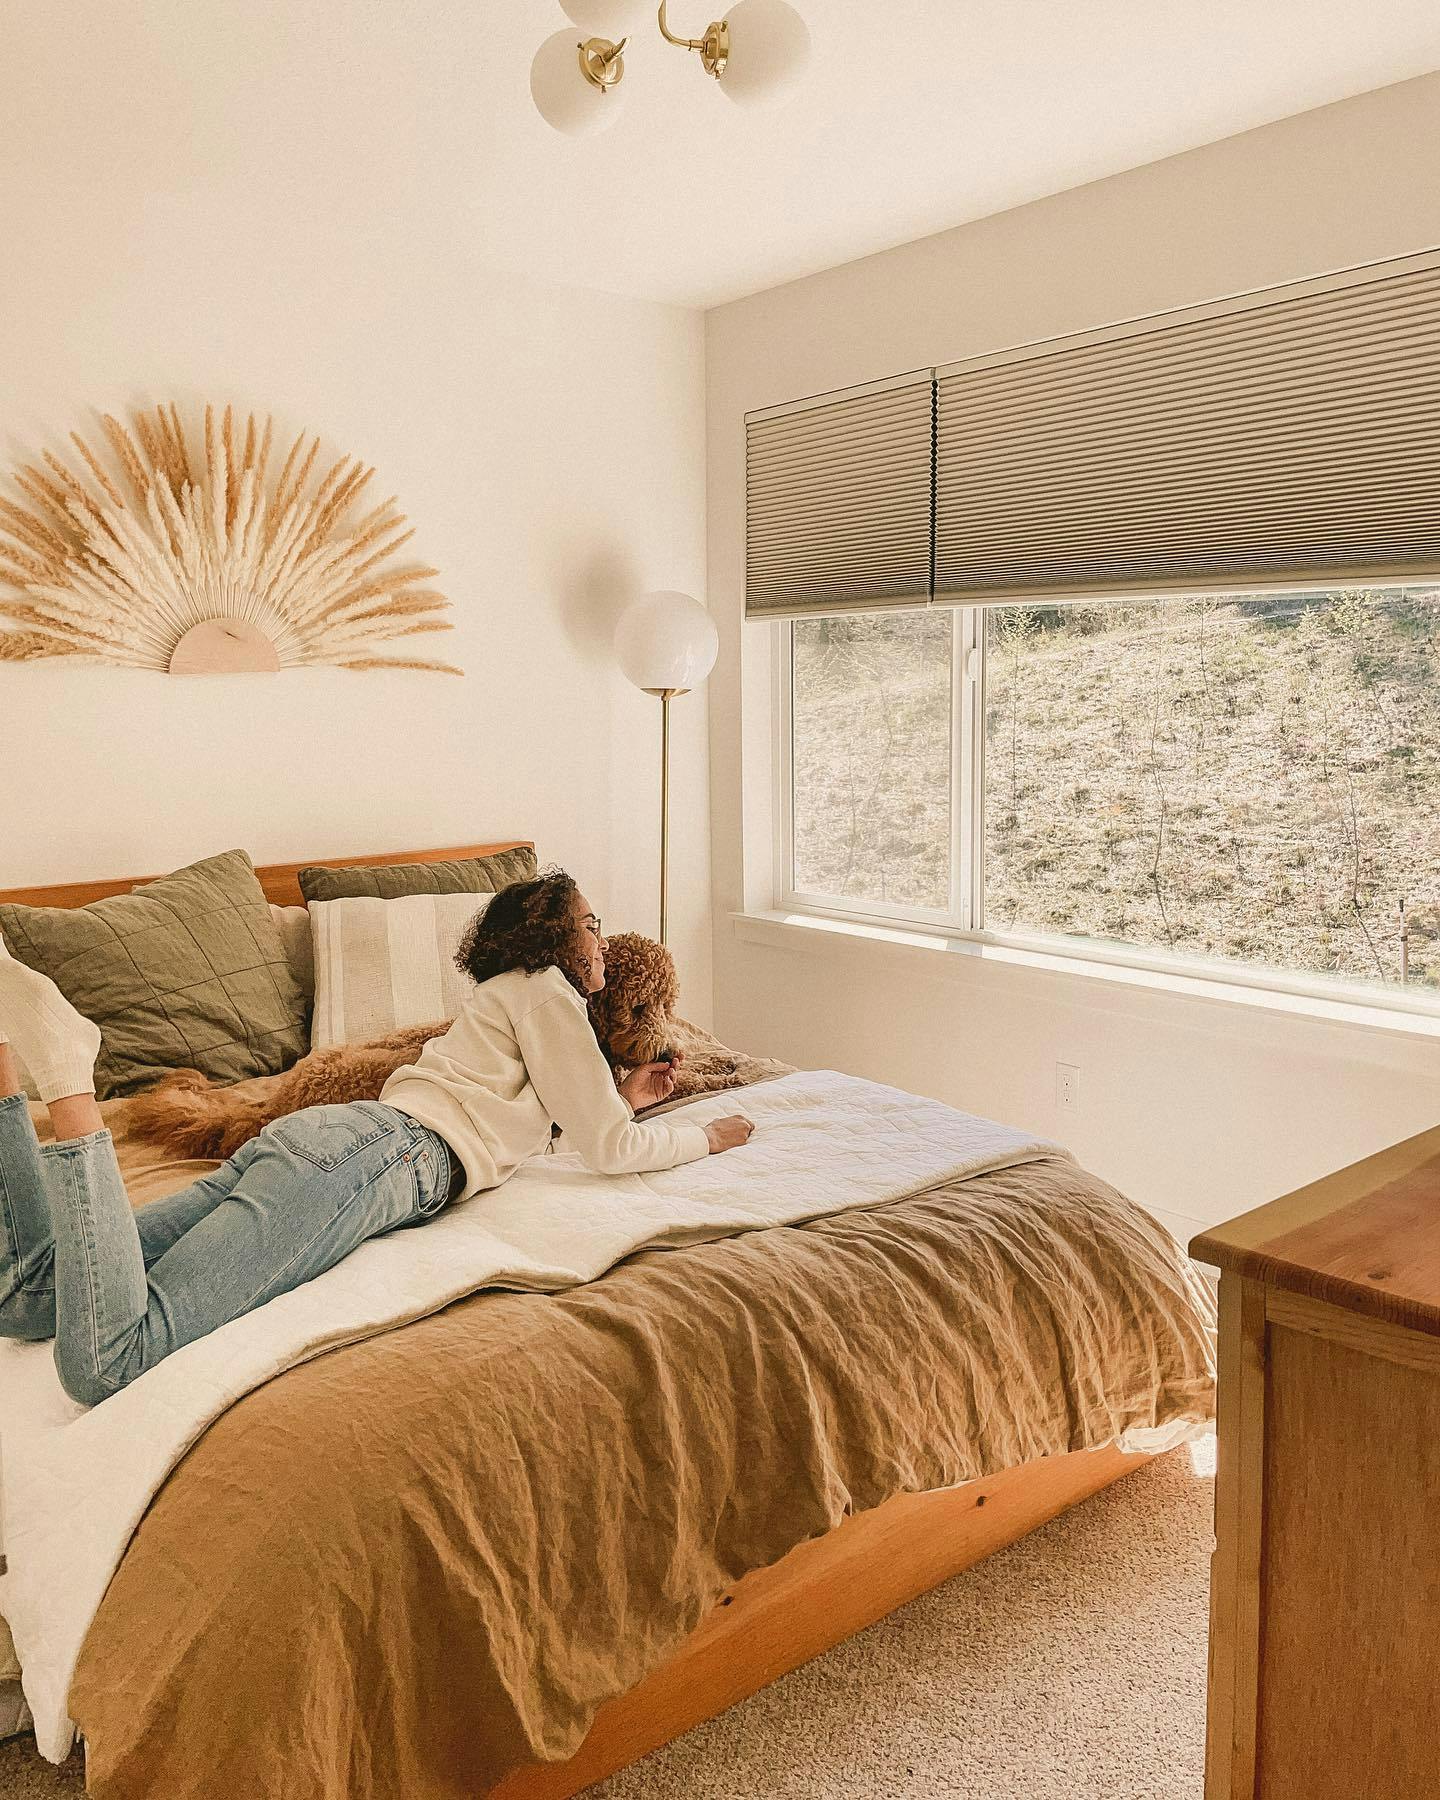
x=1067 y=1087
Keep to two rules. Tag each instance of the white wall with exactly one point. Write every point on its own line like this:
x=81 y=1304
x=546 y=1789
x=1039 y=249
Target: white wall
x=1197 y=1110
x=547 y=444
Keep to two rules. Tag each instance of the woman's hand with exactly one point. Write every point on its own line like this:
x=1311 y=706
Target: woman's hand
x=728 y=1133
x=648 y=1085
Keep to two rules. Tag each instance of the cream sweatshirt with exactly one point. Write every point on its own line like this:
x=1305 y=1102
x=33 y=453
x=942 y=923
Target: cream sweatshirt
x=521 y=1056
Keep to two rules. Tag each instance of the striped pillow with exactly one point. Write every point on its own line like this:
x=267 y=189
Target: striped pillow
x=381 y=964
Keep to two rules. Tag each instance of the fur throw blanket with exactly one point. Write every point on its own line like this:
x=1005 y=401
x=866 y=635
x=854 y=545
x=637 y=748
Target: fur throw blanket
x=632 y=1015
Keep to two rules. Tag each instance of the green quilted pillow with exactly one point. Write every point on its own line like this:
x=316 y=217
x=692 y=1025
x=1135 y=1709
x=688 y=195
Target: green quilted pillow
x=184 y=972
x=392 y=881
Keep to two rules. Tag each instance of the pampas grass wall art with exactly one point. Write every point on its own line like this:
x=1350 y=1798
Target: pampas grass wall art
x=189 y=564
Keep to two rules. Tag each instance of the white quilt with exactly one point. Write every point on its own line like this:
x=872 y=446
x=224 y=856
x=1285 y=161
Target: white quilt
x=77 y=1480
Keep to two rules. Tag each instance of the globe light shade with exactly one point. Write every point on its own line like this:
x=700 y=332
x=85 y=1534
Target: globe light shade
x=606 y=18
x=769 y=48
x=666 y=641
x=566 y=101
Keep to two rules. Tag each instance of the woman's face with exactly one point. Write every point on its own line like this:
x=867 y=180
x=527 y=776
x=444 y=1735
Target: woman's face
x=592 y=945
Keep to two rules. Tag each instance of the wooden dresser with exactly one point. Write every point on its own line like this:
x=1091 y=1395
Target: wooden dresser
x=1325 y=1582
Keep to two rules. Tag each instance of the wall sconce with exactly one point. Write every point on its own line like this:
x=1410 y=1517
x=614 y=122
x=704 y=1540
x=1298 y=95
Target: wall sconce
x=755 y=53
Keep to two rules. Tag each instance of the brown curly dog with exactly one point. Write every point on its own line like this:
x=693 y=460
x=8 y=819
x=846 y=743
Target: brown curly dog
x=634 y=1019
x=191 y=1118
x=632 y=1016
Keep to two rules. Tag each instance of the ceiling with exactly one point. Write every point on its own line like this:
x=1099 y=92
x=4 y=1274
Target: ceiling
x=410 y=120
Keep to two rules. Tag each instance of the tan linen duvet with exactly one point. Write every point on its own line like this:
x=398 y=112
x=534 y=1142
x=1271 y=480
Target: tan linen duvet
x=415 y=1563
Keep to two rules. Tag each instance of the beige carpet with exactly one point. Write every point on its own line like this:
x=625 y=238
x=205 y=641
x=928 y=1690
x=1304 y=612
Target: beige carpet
x=1071 y=1667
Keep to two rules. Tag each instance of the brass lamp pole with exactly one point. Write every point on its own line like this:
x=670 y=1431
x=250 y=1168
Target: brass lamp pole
x=666 y=695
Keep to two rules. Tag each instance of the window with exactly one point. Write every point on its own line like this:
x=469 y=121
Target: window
x=872 y=751
x=1253 y=779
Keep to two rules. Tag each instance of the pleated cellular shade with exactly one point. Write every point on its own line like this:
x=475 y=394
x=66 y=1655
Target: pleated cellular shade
x=1291 y=435
x=838 y=502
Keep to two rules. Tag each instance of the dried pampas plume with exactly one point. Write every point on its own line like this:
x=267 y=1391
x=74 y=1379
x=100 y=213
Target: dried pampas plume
x=227 y=566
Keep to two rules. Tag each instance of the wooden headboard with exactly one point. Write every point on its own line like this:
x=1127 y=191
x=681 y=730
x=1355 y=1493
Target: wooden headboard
x=281 y=881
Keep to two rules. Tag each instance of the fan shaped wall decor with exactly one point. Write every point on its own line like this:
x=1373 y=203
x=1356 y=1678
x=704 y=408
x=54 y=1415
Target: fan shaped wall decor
x=161 y=564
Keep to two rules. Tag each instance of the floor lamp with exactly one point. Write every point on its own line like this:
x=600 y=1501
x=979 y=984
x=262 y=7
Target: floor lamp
x=666 y=645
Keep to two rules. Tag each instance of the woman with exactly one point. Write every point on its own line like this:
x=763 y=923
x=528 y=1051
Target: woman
x=120 y=1289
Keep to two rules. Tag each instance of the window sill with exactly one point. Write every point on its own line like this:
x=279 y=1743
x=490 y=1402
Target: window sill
x=806 y=931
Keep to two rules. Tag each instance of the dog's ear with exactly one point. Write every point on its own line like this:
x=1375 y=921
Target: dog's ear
x=660 y=966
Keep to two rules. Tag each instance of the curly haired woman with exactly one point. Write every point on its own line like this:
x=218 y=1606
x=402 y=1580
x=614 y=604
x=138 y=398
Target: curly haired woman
x=119 y=1289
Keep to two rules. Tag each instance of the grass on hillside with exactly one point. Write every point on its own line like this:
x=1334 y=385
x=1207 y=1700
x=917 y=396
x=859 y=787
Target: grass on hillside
x=1255 y=779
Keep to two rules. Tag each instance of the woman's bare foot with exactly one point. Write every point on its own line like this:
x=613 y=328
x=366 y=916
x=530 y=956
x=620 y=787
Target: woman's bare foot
x=75 y=1116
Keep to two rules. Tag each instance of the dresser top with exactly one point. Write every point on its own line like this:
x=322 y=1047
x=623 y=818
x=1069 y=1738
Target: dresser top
x=1367 y=1237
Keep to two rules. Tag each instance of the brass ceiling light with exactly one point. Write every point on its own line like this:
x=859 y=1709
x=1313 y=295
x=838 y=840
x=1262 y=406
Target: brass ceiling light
x=603 y=63
x=575 y=83
x=755 y=52
x=758 y=48
x=714 y=47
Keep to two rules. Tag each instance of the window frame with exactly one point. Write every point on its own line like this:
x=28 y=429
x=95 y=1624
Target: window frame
x=967 y=716
x=965 y=918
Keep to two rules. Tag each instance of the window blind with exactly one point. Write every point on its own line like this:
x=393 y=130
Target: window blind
x=1289 y=435
x=838 y=501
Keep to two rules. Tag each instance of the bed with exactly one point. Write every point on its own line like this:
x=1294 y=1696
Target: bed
x=512 y=1545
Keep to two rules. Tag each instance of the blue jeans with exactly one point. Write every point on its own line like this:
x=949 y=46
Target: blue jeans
x=120 y=1288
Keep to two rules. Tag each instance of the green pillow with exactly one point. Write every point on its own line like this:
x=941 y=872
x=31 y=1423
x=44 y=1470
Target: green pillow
x=392 y=881
x=185 y=972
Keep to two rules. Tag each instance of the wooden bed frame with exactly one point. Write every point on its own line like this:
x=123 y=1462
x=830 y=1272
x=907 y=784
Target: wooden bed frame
x=281 y=881
x=823 y=1591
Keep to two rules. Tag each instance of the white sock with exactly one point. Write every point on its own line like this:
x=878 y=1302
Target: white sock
x=57 y=1044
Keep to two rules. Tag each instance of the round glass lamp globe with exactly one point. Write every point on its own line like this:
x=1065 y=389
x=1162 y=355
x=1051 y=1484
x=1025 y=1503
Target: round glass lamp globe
x=769 y=48
x=606 y=18
x=666 y=641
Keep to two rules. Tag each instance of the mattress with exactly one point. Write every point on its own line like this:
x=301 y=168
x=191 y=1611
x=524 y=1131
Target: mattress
x=437 y=1552
x=429 y=1558
x=79 y=1479
x=150 y=1173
